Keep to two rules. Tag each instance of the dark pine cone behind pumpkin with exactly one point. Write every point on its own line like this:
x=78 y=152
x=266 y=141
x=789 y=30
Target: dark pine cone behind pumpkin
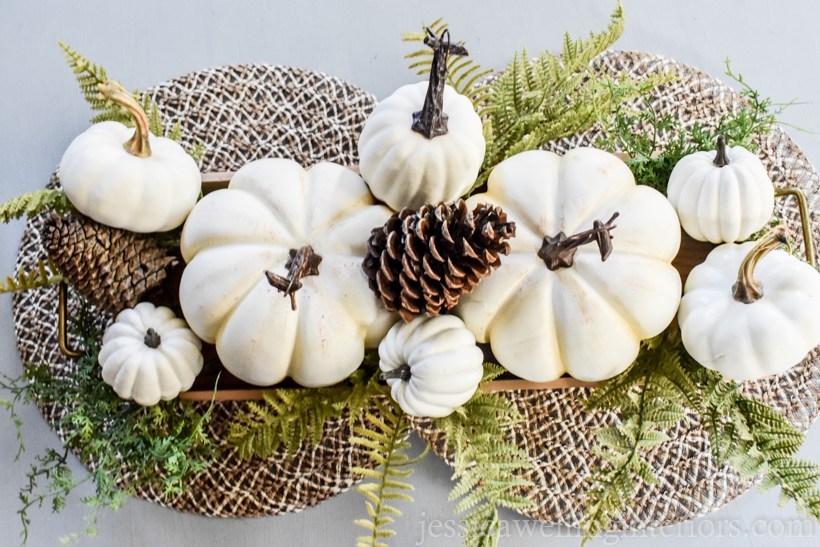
x=109 y=267
x=422 y=262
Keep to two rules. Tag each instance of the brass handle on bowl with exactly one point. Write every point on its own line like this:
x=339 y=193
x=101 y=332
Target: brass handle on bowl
x=803 y=208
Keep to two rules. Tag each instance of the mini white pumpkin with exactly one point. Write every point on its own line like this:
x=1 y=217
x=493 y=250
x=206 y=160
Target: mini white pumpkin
x=279 y=230
x=128 y=178
x=721 y=196
x=148 y=354
x=431 y=364
x=425 y=142
x=546 y=311
x=751 y=310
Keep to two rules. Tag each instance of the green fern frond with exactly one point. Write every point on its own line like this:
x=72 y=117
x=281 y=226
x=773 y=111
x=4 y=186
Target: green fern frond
x=34 y=203
x=463 y=73
x=44 y=274
x=535 y=101
x=289 y=417
x=651 y=397
x=89 y=77
x=756 y=439
x=383 y=435
x=488 y=465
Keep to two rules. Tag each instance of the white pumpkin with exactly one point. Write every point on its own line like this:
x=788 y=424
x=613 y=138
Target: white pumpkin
x=423 y=144
x=751 y=310
x=721 y=196
x=128 y=178
x=237 y=244
x=431 y=364
x=588 y=318
x=148 y=354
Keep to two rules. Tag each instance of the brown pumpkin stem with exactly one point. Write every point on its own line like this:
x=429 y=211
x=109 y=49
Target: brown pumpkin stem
x=152 y=339
x=301 y=263
x=559 y=251
x=431 y=121
x=747 y=289
x=721 y=159
x=403 y=373
x=137 y=145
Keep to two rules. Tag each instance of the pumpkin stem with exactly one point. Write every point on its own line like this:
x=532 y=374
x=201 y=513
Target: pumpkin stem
x=152 y=339
x=137 y=145
x=747 y=289
x=301 y=263
x=403 y=373
x=721 y=159
x=559 y=251
x=431 y=121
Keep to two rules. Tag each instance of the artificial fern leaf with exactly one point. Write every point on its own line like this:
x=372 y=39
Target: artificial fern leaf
x=487 y=465
x=34 y=203
x=89 y=77
x=535 y=101
x=383 y=434
x=45 y=273
x=652 y=396
x=289 y=417
x=756 y=439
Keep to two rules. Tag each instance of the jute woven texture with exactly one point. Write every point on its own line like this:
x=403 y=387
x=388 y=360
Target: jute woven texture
x=557 y=432
x=241 y=113
x=247 y=112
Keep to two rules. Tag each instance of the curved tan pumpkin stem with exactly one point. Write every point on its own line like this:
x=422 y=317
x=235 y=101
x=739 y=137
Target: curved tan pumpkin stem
x=747 y=289
x=137 y=145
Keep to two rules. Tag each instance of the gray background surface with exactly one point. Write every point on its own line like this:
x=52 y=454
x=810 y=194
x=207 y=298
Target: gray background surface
x=774 y=44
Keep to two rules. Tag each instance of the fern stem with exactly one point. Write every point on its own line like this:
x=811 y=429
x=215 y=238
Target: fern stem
x=395 y=438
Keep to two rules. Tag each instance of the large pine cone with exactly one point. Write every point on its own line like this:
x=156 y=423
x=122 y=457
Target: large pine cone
x=111 y=268
x=422 y=262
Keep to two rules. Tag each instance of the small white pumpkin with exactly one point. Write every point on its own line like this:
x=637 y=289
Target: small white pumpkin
x=721 y=196
x=148 y=354
x=128 y=178
x=424 y=143
x=431 y=364
x=279 y=230
x=559 y=303
x=751 y=310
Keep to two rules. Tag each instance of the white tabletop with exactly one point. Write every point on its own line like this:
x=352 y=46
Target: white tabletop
x=774 y=44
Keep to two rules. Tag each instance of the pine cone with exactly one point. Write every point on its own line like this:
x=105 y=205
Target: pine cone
x=111 y=268
x=422 y=262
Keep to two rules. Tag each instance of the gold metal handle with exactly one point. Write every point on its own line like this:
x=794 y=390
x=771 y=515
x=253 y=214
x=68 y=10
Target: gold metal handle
x=62 y=324
x=803 y=208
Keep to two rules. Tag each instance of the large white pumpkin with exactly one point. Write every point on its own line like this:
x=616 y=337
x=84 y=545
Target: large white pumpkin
x=235 y=240
x=128 y=178
x=586 y=319
x=751 y=310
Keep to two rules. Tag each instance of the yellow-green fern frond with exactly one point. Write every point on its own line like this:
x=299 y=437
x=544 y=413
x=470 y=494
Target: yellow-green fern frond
x=44 y=274
x=383 y=435
x=34 y=203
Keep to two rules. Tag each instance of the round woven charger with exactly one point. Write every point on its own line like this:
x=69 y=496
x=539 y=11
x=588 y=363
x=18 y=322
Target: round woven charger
x=249 y=112
x=241 y=113
x=558 y=434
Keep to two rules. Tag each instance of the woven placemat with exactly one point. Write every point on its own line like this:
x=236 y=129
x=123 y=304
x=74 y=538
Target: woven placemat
x=248 y=112
x=241 y=113
x=558 y=434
